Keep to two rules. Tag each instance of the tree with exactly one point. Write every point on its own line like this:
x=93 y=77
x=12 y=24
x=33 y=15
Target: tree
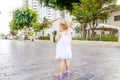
x=85 y=11
x=91 y=12
x=60 y=4
x=23 y=18
x=41 y=26
x=77 y=29
x=67 y=4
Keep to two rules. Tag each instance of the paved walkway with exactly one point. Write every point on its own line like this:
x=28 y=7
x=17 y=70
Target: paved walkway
x=27 y=60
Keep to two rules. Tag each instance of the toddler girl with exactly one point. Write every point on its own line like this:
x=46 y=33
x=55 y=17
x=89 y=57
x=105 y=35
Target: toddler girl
x=63 y=49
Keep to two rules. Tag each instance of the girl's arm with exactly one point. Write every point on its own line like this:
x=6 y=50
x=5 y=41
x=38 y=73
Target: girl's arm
x=57 y=37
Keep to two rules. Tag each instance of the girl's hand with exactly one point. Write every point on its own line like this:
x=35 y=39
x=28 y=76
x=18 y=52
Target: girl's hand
x=58 y=36
x=60 y=31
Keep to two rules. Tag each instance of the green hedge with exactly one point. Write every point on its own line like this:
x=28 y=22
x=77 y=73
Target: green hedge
x=44 y=37
x=97 y=38
x=109 y=38
x=76 y=38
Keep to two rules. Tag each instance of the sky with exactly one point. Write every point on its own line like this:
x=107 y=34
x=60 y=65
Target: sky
x=7 y=6
x=118 y=1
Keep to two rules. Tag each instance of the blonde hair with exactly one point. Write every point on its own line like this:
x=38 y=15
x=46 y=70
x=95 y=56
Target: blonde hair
x=63 y=24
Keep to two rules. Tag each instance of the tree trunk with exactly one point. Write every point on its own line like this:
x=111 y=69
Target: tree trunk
x=93 y=34
x=36 y=35
x=25 y=33
x=83 y=31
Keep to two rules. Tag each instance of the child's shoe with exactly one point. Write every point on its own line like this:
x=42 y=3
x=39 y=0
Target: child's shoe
x=67 y=74
x=59 y=76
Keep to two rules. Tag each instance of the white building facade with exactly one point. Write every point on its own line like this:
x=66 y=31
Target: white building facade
x=25 y=2
x=114 y=20
x=51 y=14
x=33 y=4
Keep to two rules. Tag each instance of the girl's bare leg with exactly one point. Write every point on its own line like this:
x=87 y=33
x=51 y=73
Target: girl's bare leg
x=67 y=64
x=60 y=69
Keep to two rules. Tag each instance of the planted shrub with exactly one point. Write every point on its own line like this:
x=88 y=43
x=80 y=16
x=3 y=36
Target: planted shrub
x=44 y=37
x=97 y=38
x=109 y=38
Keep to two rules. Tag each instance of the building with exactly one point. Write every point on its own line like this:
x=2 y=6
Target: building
x=45 y=12
x=48 y=13
x=52 y=14
x=25 y=2
x=33 y=4
x=55 y=29
x=110 y=27
x=114 y=19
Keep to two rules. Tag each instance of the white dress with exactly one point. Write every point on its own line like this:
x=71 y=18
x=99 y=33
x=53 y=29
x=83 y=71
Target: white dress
x=63 y=47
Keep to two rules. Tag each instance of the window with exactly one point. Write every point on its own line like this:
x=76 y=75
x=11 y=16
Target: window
x=49 y=10
x=49 y=16
x=49 y=13
x=117 y=18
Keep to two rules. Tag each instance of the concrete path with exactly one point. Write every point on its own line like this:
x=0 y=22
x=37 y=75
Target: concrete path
x=26 y=60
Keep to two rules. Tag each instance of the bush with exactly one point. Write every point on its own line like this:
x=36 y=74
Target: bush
x=109 y=38
x=16 y=38
x=97 y=38
x=76 y=38
x=44 y=38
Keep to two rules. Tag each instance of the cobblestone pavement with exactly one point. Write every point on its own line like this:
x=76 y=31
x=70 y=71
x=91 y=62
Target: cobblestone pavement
x=25 y=60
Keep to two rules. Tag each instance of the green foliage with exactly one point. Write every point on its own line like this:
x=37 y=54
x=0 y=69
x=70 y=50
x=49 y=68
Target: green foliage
x=40 y=26
x=76 y=38
x=112 y=38
x=77 y=29
x=60 y=4
x=81 y=13
x=30 y=33
x=13 y=26
x=109 y=38
x=16 y=38
x=44 y=38
x=67 y=4
x=23 y=17
x=91 y=11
